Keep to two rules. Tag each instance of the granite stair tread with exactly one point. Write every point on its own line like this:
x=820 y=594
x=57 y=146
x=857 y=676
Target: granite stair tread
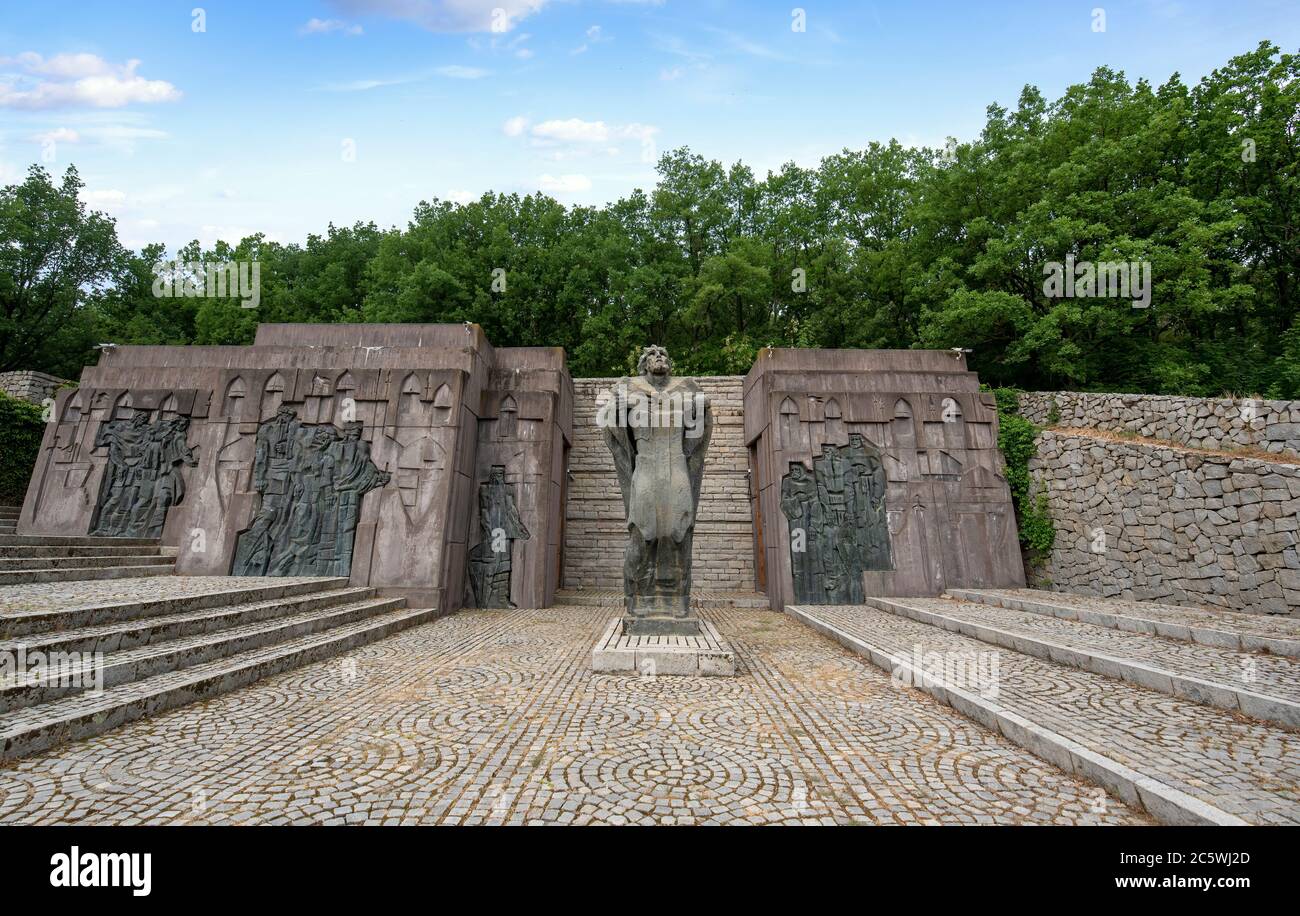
x=1263 y=686
x=1230 y=629
x=33 y=729
x=1184 y=761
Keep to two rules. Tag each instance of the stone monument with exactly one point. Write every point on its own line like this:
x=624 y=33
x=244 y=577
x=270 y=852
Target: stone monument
x=492 y=559
x=657 y=428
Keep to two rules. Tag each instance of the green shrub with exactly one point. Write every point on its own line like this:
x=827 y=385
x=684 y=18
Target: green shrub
x=1017 y=438
x=21 y=429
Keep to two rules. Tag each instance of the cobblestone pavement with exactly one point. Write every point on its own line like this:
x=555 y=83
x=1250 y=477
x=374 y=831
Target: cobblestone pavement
x=1276 y=676
x=62 y=596
x=1227 y=620
x=495 y=717
x=1248 y=768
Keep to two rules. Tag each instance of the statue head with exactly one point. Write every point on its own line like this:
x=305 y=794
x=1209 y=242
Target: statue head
x=797 y=470
x=655 y=361
x=285 y=412
x=352 y=431
x=497 y=474
x=140 y=419
x=323 y=436
x=855 y=440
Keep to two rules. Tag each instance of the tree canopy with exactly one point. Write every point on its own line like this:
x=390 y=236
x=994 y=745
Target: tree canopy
x=887 y=246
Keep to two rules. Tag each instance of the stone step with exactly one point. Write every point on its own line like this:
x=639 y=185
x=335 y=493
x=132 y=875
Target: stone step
x=31 y=611
x=101 y=561
x=135 y=633
x=1262 y=686
x=38 y=728
x=156 y=566
x=706 y=600
x=39 y=550
x=137 y=664
x=42 y=540
x=1184 y=762
x=1225 y=629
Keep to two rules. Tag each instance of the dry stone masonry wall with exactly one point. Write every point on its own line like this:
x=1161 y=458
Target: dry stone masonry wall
x=30 y=386
x=1143 y=521
x=595 y=534
x=1212 y=423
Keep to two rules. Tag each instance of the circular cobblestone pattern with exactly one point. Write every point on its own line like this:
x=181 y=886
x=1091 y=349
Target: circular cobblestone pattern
x=494 y=717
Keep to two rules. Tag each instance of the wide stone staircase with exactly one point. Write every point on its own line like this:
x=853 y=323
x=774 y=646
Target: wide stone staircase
x=36 y=558
x=79 y=658
x=1189 y=713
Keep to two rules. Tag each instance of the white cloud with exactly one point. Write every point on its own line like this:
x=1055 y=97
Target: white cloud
x=107 y=199
x=594 y=37
x=461 y=197
x=448 y=15
x=325 y=26
x=572 y=130
x=564 y=184
x=570 y=137
x=58 y=135
x=456 y=71
x=515 y=126
x=77 y=80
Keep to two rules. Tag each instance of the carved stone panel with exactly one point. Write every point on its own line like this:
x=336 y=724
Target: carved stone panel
x=311 y=480
x=837 y=521
x=491 y=560
x=142 y=480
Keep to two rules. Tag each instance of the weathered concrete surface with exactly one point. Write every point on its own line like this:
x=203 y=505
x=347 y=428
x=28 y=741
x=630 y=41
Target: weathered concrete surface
x=438 y=405
x=948 y=506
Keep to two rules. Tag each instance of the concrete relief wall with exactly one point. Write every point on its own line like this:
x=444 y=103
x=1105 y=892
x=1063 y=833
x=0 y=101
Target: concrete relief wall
x=849 y=418
x=416 y=392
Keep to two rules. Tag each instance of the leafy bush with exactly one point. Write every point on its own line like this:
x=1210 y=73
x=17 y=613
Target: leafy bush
x=1017 y=437
x=21 y=429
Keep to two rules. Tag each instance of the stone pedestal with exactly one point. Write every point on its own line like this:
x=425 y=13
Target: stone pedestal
x=705 y=654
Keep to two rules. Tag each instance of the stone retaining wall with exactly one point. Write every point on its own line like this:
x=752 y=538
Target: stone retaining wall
x=1213 y=423
x=595 y=532
x=30 y=386
x=1142 y=521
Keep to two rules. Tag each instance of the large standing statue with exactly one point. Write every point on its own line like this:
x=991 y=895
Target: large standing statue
x=658 y=428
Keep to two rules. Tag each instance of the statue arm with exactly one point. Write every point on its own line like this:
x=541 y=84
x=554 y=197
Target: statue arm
x=622 y=446
x=696 y=447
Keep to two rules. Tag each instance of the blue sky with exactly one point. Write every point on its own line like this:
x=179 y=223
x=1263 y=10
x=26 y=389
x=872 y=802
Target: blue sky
x=284 y=116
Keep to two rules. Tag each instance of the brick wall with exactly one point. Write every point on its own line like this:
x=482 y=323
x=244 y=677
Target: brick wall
x=595 y=533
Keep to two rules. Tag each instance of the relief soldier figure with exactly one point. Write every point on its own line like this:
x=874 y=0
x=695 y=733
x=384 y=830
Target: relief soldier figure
x=491 y=560
x=841 y=510
x=311 y=482
x=143 y=478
